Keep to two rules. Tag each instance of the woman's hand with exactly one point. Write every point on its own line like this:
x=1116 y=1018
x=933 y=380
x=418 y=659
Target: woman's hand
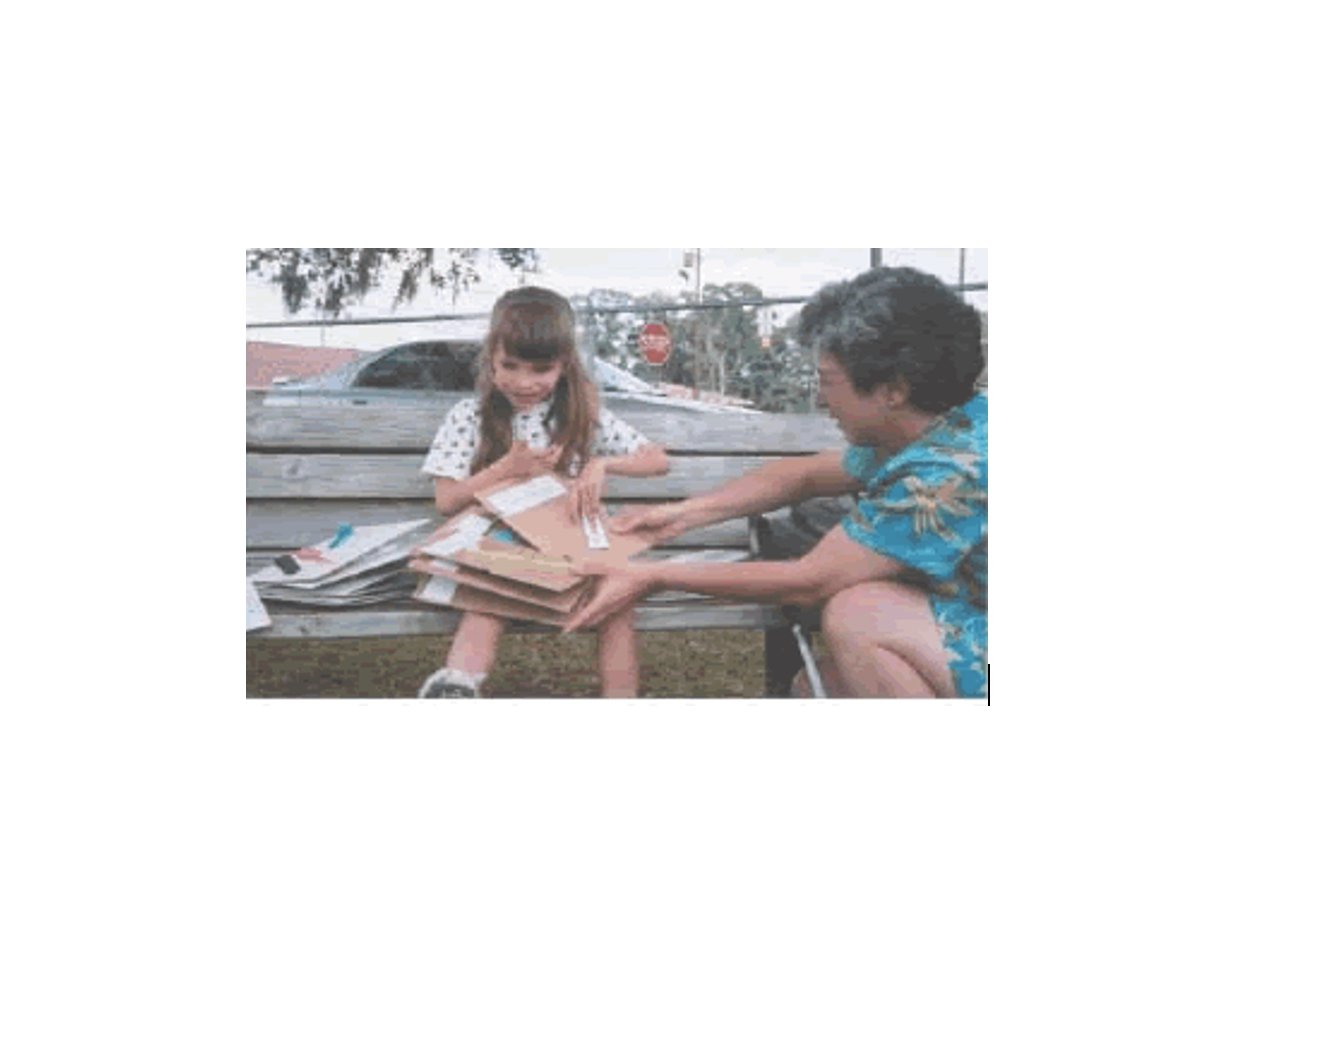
x=619 y=588
x=523 y=462
x=660 y=522
x=586 y=499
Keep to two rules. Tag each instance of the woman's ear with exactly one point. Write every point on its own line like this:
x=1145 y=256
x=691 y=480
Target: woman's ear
x=896 y=392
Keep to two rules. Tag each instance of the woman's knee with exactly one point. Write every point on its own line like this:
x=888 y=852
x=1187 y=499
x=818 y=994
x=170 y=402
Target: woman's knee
x=881 y=614
x=887 y=618
x=853 y=614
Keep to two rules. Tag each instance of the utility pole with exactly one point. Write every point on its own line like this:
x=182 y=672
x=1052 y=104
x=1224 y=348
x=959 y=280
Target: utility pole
x=694 y=258
x=701 y=356
x=876 y=258
x=698 y=393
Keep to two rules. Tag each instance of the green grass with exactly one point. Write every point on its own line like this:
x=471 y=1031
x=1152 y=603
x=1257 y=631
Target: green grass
x=674 y=663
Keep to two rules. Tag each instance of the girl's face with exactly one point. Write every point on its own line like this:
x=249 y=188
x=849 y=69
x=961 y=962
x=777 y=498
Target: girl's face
x=525 y=383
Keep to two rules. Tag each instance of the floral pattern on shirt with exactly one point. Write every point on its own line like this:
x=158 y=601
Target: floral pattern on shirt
x=455 y=446
x=926 y=507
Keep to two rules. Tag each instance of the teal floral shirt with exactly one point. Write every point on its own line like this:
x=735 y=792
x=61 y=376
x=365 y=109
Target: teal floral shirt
x=926 y=507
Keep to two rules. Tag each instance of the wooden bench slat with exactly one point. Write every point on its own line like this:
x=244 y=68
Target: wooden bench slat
x=394 y=622
x=408 y=422
x=259 y=560
x=279 y=526
x=399 y=477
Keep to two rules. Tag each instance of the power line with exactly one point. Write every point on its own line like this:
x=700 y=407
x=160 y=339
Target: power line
x=640 y=308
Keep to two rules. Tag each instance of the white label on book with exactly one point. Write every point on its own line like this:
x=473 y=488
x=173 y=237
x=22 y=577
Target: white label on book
x=467 y=534
x=595 y=533
x=438 y=591
x=527 y=496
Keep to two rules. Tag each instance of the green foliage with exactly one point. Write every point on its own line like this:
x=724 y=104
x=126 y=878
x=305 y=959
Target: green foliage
x=612 y=337
x=781 y=378
x=717 y=350
x=330 y=279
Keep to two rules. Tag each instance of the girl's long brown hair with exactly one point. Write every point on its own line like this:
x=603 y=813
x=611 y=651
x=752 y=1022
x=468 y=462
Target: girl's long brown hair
x=535 y=325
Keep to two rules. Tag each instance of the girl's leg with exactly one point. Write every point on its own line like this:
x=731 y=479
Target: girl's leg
x=474 y=648
x=617 y=651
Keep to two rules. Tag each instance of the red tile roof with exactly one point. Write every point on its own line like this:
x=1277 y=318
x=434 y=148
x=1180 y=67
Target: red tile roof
x=268 y=361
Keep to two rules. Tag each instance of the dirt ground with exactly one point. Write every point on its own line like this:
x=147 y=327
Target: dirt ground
x=674 y=664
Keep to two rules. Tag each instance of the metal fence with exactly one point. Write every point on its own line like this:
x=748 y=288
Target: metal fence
x=589 y=316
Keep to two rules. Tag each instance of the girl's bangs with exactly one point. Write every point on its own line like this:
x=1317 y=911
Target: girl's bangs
x=535 y=333
x=536 y=351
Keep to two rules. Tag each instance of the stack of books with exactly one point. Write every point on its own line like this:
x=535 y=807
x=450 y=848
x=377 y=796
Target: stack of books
x=513 y=553
x=359 y=566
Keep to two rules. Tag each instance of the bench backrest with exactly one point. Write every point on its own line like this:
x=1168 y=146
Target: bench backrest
x=317 y=461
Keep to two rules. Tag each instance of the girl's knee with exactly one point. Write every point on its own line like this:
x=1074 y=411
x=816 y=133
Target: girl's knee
x=620 y=621
x=481 y=622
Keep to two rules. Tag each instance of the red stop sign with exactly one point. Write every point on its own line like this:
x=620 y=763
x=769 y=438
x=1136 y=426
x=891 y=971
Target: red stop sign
x=655 y=343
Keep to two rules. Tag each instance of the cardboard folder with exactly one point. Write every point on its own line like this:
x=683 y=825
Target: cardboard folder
x=558 y=601
x=538 y=510
x=525 y=565
x=470 y=569
x=445 y=591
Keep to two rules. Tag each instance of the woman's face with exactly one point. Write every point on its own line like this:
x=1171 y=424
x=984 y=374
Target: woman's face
x=525 y=383
x=864 y=418
x=846 y=405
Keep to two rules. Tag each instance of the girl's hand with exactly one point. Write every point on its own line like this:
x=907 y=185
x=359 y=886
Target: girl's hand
x=523 y=462
x=586 y=499
x=619 y=588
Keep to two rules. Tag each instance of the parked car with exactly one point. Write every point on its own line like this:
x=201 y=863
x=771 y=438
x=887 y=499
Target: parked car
x=447 y=367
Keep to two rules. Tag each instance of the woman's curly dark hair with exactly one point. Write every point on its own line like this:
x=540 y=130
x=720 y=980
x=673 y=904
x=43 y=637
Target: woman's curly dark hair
x=897 y=322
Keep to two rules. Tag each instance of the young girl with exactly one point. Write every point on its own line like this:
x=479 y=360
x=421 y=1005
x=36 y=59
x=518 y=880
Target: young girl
x=536 y=413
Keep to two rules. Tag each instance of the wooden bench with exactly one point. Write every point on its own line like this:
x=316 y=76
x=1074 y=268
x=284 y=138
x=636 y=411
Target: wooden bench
x=316 y=461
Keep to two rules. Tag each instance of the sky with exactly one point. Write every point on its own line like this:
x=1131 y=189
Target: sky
x=778 y=272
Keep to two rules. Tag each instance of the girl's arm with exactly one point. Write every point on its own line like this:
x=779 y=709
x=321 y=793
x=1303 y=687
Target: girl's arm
x=648 y=460
x=522 y=462
x=454 y=495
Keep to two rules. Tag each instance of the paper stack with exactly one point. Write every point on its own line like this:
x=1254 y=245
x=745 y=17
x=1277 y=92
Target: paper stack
x=257 y=617
x=359 y=566
x=512 y=554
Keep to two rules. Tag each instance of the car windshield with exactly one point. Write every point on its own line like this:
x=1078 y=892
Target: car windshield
x=609 y=377
x=424 y=365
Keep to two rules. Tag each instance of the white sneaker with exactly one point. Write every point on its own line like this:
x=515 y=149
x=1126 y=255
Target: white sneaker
x=444 y=684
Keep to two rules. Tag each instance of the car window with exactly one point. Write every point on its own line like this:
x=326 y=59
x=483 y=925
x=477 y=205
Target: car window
x=439 y=365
